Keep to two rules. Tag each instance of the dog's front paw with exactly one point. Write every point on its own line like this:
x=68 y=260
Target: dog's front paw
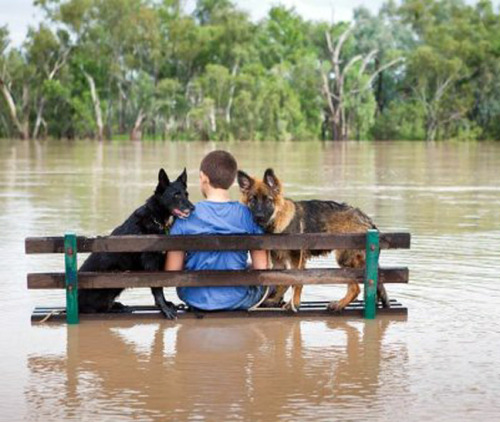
x=291 y=306
x=384 y=299
x=168 y=310
x=335 y=306
x=120 y=308
x=272 y=303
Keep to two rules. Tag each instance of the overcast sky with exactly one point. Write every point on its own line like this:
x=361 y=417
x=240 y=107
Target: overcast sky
x=19 y=14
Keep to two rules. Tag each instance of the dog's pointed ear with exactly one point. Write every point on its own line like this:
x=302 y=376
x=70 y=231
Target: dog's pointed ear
x=244 y=181
x=163 y=182
x=183 y=177
x=272 y=181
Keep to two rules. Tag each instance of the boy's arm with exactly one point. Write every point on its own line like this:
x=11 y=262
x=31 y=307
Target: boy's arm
x=174 y=261
x=259 y=260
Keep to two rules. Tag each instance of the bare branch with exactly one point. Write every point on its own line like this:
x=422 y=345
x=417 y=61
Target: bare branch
x=59 y=64
x=342 y=39
x=441 y=90
x=368 y=59
x=336 y=97
x=329 y=42
x=327 y=93
x=386 y=66
x=453 y=116
x=350 y=64
x=372 y=78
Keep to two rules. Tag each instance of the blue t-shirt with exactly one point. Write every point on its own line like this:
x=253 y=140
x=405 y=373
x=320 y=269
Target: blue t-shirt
x=216 y=218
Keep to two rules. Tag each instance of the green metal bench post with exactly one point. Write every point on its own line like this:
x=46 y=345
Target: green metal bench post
x=71 y=278
x=371 y=272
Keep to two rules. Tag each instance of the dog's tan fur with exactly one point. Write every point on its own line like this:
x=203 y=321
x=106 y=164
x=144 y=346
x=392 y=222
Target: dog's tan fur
x=290 y=216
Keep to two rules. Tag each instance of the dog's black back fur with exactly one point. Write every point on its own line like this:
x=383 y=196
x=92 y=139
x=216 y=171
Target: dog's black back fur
x=151 y=218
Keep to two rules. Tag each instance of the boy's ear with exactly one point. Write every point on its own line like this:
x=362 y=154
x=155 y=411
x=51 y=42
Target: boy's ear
x=163 y=182
x=183 y=177
x=272 y=181
x=244 y=181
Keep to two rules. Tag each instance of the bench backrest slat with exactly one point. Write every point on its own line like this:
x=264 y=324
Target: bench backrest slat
x=150 y=243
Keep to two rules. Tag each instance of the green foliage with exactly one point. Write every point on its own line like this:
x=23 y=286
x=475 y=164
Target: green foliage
x=401 y=120
x=214 y=74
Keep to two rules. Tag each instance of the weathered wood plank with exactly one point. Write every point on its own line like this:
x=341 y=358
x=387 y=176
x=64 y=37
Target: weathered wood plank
x=312 y=241
x=308 y=304
x=87 y=280
x=144 y=313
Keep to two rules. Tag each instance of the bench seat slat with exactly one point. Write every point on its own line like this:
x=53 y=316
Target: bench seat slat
x=214 y=278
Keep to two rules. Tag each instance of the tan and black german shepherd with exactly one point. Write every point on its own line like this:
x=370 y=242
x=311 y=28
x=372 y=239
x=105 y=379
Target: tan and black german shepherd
x=277 y=214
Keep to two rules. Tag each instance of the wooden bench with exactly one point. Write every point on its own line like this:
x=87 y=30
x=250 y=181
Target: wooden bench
x=72 y=280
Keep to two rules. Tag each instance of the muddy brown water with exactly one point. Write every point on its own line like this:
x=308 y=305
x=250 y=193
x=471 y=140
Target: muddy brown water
x=442 y=363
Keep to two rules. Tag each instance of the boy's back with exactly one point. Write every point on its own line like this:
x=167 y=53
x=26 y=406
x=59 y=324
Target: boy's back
x=212 y=217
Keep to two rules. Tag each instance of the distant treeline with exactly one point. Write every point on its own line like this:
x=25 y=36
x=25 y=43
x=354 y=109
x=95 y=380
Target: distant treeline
x=139 y=69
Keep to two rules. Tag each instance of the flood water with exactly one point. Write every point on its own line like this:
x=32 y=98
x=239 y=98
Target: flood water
x=441 y=363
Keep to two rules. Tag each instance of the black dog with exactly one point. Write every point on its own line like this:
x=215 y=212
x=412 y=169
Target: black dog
x=154 y=217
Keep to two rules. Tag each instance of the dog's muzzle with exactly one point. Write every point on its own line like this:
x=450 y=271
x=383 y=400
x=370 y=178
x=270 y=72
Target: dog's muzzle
x=181 y=213
x=261 y=220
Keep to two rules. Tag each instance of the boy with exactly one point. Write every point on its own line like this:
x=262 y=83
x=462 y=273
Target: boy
x=217 y=215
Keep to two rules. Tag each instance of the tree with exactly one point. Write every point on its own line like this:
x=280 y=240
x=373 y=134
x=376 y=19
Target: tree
x=137 y=69
x=334 y=79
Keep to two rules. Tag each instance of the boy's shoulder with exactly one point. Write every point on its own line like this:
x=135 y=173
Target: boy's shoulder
x=205 y=209
x=220 y=216
x=232 y=205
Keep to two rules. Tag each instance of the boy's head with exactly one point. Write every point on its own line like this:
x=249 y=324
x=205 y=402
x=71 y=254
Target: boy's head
x=217 y=170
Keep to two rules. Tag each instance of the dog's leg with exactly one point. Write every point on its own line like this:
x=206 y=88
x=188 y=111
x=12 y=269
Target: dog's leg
x=297 y=262
x=275 y=299
x=353 y=291
x=118 y=307
x=154 y=262
x=294 y=303
x=296 y=297
x=382 y=295
x=100 y=301
x=348 y=259
x=167 y=308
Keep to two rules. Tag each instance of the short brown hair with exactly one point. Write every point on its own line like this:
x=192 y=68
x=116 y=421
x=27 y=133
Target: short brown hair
x=220 y=168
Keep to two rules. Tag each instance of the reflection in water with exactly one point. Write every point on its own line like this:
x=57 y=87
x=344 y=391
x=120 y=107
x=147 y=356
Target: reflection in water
x=249 y=370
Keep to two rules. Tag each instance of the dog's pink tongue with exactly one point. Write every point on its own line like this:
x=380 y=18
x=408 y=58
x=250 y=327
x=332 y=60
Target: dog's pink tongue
x=180 y=213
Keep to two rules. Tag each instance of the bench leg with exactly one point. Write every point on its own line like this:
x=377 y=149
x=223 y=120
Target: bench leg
x=71 y=278
x=371 y=272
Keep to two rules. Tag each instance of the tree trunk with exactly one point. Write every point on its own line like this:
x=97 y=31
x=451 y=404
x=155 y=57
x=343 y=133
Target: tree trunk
x=39 y=118
x=108 y=127
x=336 y=129
x=122 y=102
x=231 y=94
x=379 y=94
x=136 y=132
x=212 y=119
x=431 y=128
x=39 y=114
x=21 y=126
x=97 y=106
x=334 y=83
